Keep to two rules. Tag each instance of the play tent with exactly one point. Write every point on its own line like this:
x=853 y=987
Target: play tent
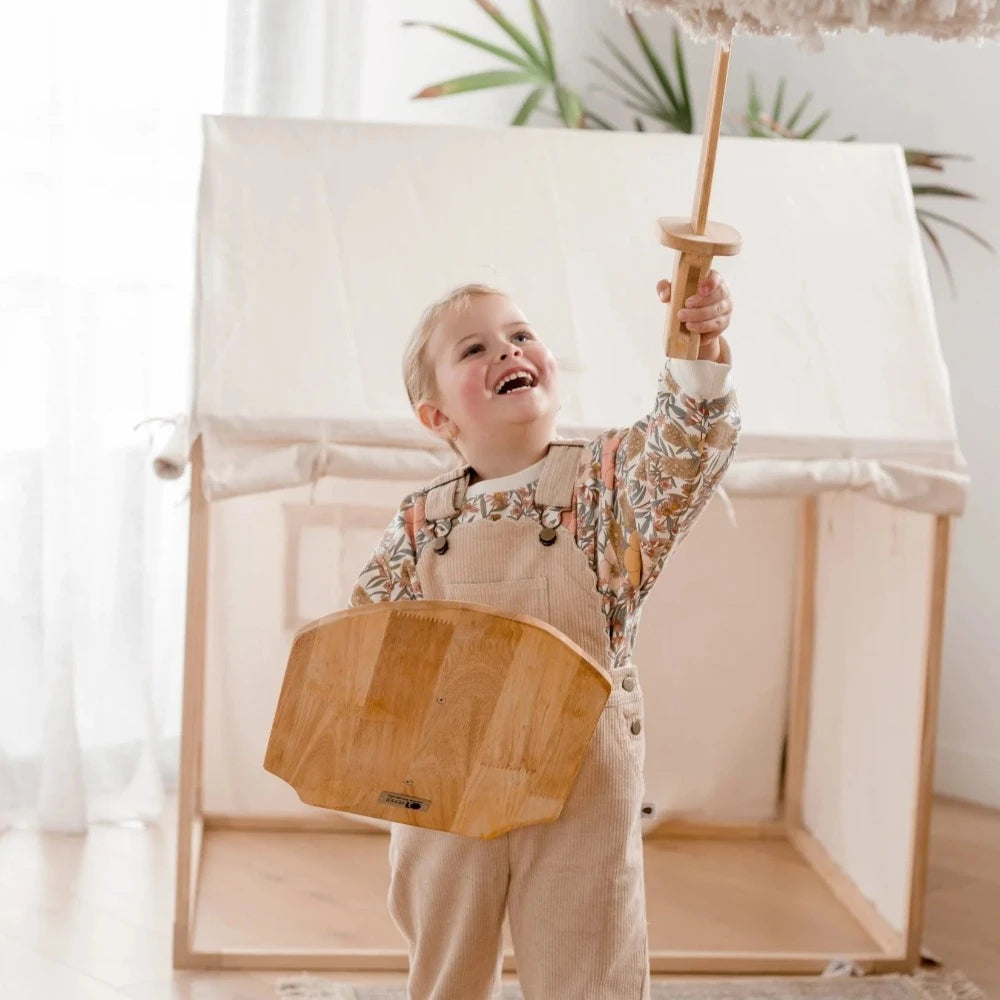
x=790 y=653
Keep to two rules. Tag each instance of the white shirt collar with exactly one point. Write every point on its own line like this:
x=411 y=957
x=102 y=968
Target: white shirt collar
x=502 y=484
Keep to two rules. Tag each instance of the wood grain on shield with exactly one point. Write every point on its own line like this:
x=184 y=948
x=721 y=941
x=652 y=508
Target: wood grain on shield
x=440 y=714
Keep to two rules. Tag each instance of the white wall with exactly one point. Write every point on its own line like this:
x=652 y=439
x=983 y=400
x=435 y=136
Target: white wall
x=934 y=96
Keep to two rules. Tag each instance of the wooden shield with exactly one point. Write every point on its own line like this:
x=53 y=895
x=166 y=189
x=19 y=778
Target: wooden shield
x=440 y=714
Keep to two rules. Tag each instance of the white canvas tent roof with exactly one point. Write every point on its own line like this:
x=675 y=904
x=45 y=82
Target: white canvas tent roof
x=839 y=371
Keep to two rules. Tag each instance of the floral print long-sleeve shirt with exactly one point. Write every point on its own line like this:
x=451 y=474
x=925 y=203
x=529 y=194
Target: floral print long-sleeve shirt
x=640 y=488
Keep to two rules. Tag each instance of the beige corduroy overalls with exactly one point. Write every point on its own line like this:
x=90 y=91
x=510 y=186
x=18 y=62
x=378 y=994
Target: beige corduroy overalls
x=573 y=888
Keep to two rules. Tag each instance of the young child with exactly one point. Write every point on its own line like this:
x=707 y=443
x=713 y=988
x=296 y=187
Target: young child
x=574 y=533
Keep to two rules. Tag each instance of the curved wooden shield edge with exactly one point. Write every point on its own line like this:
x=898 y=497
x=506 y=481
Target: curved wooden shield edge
x=386 y=608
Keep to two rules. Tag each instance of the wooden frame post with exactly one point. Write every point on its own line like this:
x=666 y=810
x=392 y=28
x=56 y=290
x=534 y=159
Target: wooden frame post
x=189 y=815
x=928 y=739
x=800 y=688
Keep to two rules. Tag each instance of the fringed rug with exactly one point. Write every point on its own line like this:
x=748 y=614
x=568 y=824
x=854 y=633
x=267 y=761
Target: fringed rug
x=930 y=985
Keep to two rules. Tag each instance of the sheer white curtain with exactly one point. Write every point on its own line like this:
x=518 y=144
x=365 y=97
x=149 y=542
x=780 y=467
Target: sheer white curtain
x=298 y=58
x=99 y=109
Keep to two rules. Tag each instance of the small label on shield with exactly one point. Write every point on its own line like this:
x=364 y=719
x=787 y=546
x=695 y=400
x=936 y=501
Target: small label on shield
x=404 y=801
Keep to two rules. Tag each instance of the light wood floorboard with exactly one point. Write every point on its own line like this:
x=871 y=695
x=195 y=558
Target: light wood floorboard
x=320 y=891
x=89 y=918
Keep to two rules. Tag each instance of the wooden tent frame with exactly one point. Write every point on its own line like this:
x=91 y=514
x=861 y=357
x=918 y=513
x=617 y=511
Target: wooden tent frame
x=897 y=951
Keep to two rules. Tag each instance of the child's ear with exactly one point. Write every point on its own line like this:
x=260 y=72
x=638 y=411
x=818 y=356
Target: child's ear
x=436 y=420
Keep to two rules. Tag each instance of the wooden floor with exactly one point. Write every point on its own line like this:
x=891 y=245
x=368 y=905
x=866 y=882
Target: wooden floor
x=89 y=918
x=315 y=892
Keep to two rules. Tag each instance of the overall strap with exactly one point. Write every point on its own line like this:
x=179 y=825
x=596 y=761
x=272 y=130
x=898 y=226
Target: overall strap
x=559 y=475
x=444 y=495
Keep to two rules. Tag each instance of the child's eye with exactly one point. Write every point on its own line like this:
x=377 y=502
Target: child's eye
x=523 y=333
x=469 y=350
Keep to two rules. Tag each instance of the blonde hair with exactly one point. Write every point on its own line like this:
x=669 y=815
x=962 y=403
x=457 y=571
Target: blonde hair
x=418 y=369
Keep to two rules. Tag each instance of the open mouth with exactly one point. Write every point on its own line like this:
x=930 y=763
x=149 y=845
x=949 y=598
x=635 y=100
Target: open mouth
x=519 y=381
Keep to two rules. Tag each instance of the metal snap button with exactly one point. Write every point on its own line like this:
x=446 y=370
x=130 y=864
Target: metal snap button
x=547 y=536
x=441 y=545
x=629 y=684
x=636 y=727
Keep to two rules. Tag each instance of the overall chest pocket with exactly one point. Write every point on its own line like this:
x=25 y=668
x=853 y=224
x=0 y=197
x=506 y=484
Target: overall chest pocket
x=527 y=596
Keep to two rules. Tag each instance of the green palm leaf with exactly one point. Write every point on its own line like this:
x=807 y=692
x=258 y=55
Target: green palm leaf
x=658 y=98
x=754 y=117
x=627 y=88
x=932 y=161
x=779 y=101
x=936 y=243
x=628 y=67
x=660 y=114
x=527 y=109
x=654 y=63
x=651 y=105
x=942 y=191
x=769 y=126
x=600 y=122
x=812 y=129
x=479 y=43
x=542 y=27
x=797 y=113
x=681 y=70
x=477 y=81
x=515 y=34
x=570 y=107
x=537 y=66
x=923 y=213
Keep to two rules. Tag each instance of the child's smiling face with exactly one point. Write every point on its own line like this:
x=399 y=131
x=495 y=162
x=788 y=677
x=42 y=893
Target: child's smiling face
x=493 y=374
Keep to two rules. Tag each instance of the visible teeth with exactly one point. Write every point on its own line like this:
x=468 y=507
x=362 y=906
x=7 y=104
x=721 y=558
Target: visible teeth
x=512 y=377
